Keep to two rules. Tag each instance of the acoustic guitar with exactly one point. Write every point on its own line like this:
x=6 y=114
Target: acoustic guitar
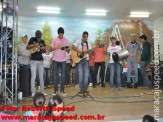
x=76 y=57
x=37 y=49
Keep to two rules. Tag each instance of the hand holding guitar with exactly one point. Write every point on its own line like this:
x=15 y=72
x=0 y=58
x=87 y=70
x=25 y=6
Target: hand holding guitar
x=36 y=45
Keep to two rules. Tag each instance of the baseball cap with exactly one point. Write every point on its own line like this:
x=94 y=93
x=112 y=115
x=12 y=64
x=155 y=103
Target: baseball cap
x=38 y=34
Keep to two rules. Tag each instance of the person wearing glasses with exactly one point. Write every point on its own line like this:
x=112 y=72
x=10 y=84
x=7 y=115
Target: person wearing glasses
x=36 y=61
x=133 y=48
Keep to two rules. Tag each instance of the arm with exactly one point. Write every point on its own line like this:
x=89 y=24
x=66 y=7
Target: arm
x=21 y=54
x=76 y=49
x=108 y=55
x=50 y=63
x=32 y=46
x=55 y=48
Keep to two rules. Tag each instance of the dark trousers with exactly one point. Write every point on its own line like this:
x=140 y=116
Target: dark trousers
x=46 y=76
x=102 y=71
x=25 y=80
x=68 y=68
x=91 y=74
x=56 y=67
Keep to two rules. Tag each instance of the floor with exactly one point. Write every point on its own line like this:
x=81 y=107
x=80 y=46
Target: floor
x=129 y=104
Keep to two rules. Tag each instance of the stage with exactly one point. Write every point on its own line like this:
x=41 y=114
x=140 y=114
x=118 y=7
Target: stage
x=130 y=104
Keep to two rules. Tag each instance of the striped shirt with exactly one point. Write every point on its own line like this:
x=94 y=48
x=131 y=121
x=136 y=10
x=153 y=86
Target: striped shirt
x=133 y=49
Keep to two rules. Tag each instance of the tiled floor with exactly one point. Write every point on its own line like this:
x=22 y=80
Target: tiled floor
x=129 y=104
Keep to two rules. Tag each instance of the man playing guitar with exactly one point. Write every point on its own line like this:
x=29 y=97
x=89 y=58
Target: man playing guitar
x=83 y=65
x=36 y=61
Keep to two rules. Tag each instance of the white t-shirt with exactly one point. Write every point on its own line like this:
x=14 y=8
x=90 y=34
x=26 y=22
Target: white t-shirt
x=78 y=44
x=47 y=59
x=68 y=55
x=111 y=50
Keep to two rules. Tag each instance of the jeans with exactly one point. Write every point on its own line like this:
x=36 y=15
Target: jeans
x=144 y=73
x=115 y=68
x=83 y=70
x=26 y=66
x=46 y=76
x=124 y=78
x=34 y=66
x=68 y=68
x=135 y=64
x=102 y=71
x=37 y=79
x=56 y=67
x=77 y=74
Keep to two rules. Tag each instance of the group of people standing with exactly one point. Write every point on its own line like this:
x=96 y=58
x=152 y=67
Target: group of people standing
x=59 y=55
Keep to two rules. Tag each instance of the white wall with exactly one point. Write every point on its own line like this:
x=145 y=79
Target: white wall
x=158 y=25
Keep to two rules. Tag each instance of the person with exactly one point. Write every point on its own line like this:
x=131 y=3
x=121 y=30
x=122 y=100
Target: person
x=99 y=54
x=148 y=118
x=23 y=53
x=59 y=45
x=38 y=101
x=91 y=73
x=55 y=101
x=124 y=73
x=47 y=57
x=145 y=58
x=83 y=65
x=114 y=66
x=68 y=67
x=24 y=66
x=36 y=61
x=133 y=48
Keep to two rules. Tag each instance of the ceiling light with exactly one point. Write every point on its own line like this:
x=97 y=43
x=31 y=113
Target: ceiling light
x=146 y=13
x=49 y=8
x=96 y=14
x=50 y=12
x=96 y=11
x=139 y=14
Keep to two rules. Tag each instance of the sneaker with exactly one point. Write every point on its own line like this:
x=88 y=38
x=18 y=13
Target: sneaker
x=111 y=89
x=120 y=89
x=91 y=84
x=54 y=93
x=38 y=87
x=33 y=94
x=44 y=93
x=63 y=93
x=48 y=86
